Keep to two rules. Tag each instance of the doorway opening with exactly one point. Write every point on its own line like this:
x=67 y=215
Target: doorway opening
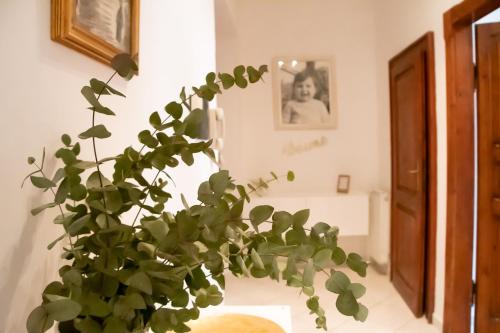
x=472 y=169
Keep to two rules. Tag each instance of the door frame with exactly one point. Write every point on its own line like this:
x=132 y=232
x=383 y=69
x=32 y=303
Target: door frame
x=431 y=172
x=460 y=192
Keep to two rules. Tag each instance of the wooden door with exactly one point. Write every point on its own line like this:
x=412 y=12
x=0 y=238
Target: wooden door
x=488 y=227
x=411 y=97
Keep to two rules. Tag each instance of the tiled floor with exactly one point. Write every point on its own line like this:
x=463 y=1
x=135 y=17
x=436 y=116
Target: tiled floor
x=388 y=312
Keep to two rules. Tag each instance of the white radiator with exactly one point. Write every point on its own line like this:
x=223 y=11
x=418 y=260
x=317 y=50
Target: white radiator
x=380 y=233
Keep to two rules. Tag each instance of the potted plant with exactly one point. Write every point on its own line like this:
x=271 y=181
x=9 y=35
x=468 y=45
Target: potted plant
x=156 y=269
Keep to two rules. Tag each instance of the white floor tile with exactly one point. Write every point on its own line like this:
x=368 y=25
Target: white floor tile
x=388 y=311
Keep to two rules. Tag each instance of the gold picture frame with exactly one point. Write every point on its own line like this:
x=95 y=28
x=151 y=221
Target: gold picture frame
x=81 y=31
x=343 y=183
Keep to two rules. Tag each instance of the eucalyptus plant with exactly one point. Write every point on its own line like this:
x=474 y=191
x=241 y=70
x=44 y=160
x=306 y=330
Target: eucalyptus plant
x=152 y=268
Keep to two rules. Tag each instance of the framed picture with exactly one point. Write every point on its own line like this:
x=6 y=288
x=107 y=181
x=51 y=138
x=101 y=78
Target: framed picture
x=343 y=183
x=100 y=29
x=304 y=93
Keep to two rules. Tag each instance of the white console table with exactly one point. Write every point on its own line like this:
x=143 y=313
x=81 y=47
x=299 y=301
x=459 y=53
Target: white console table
x=349 y=212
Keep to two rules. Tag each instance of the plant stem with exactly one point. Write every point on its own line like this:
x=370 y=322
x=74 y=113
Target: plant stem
x=58 y=205
x=146 y=190
x=94 y=145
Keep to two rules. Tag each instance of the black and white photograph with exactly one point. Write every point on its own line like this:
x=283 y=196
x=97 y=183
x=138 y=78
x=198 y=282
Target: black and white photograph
x=109 y=20
x=304 y=94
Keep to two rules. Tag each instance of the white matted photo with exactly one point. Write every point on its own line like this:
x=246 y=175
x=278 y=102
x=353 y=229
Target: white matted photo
x=304 y=93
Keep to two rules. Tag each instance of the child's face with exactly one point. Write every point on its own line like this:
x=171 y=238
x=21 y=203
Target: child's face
x=305 y=90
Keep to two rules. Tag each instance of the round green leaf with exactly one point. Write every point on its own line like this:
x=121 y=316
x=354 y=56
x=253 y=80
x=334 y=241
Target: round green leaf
x=63 y=309
x=66 y=139
x=300 y=218
x=174 y=109
x=362 y=313
x=323 y=258
x=39 y=321
x=347 y=304
x=338 y=256
x=259 y=214
x=140 y=281
x=337 y=283
x=290 y=176
x=356 y=263
x=357 y=289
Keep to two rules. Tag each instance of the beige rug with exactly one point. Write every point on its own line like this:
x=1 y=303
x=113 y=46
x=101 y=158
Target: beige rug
x=235 y=323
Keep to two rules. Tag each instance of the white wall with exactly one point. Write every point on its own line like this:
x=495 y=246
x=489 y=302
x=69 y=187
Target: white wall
x=252 y=32
x=40 y=93
x=399 y=23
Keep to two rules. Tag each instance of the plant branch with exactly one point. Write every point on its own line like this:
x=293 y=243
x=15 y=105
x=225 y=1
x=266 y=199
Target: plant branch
x=94 y=144
x=58 y=205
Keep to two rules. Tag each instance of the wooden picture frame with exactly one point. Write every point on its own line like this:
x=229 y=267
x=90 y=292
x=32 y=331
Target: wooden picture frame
x=343 y=183
x=291 y=112
x=78 y=31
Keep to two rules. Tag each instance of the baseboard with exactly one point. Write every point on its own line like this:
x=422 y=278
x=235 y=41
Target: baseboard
x=437 y=322
x=381 y=268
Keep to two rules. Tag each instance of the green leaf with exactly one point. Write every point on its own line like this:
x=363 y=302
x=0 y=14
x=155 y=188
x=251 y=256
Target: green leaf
x=313 y=303
x=124 y=65
x=42 y=182
x=357 y=289
x=140 y=281
x=174 y=109
x=114 y=325
x=114 y=201
x=281 y=222
x=263 y=69
x=98 y=131
x=244 y=268
x=309 y=272
x=72 y=278
x=290 y=176
x=356 y=263
x=158 y=228
x=39 y=321
x=88 y=325
x=90 y=96
x=194 y=122
x=84 y=165
x=347 y=304
x=337 y=283
x=62 y=192
x=63 y=309
x=54 y=242
x=155 y=120
x=362 y=313
x=338 y=256
x=101 y=88
x=237 y=209
x=187 y=156
x=257 y=260
x=135 y=301
x=78 y=224
x=253 y=74
x=219 y=182
x=39 y=209
x=300 y=218
x=227 y=80
x=94 y=181
x=66 y=140
x=31 y=160
x=260 y=214
x=323 y=258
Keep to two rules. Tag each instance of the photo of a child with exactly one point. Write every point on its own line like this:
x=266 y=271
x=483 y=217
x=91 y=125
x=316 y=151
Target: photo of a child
x=303 y=98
